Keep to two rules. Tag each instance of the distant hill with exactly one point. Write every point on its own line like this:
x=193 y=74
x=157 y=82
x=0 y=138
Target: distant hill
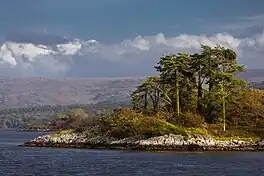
x=24 y=92
x=253 y=75
x=255 y=78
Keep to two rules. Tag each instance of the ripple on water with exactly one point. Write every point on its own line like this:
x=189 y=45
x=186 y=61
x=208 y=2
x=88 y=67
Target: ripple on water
x=21 y=161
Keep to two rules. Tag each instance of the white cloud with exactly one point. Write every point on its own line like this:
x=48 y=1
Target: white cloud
x=133 y=57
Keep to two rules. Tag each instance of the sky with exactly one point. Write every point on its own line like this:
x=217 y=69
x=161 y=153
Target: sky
x=132 y=34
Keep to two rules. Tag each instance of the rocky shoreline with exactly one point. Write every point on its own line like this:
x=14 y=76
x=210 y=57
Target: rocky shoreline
x=170 y=142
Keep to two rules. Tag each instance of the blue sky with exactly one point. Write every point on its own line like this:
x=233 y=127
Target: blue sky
x=113 y=21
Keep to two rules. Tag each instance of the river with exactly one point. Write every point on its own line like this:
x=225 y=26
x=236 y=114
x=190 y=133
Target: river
x=24 y=161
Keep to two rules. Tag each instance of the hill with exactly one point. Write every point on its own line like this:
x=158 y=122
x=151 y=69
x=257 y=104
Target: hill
x=24 y=92
x=38 y=91
x=253 y=75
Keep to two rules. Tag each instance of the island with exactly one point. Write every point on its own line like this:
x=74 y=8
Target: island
x=196 y=102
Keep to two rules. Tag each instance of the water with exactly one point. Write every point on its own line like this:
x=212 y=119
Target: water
x=22 y=161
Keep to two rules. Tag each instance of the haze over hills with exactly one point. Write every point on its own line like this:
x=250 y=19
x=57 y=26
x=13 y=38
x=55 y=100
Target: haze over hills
x=22 y=92
x=253 y=75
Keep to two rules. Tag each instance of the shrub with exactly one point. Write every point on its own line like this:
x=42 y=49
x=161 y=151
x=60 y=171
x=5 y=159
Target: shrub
x=78 y=114
x=84 y=124
x=188 y=120
x=200 y=131
x=61 y=116
x=164 y=115
x=77 y=119
x=127 y=123
x=248 y=109
x=151 y=126
x=231 y=131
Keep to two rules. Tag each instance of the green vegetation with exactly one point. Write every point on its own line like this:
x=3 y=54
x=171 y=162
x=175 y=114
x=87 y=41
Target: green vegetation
x=39 y=116
x=191 y=94
x=32 y=116
x=250 y=139
x=68 y=131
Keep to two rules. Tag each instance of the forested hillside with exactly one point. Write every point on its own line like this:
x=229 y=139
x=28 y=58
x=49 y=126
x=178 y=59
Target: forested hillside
x=38 y=115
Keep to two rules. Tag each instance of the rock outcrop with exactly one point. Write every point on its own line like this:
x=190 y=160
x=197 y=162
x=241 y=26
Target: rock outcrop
x=166 y=142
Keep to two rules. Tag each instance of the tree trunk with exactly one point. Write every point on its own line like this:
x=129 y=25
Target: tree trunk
x=145 y=101
x=210 y=75
x=199 y=95
x=177 y=97
x=224 y=108
x=156 y=101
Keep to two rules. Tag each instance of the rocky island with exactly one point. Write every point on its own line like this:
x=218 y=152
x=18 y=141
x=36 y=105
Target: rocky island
x=166 y=142
x=196 y=103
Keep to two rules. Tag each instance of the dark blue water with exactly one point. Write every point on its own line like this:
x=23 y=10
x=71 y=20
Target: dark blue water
x=22 y=161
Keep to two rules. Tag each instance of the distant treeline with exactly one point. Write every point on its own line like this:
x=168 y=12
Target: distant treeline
x=18 y=117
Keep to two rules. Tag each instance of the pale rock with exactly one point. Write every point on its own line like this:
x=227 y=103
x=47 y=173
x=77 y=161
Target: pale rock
x=170 y=140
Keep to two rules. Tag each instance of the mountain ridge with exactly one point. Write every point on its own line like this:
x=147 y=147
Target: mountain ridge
x=22 y=92
x=27 y=91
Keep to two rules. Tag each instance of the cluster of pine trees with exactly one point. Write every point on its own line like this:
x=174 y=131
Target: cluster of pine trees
x=203 y=83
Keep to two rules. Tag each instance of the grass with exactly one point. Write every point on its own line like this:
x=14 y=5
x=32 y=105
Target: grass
x=232 y=133
x=62 y=132
x=241 y=135
x=200 y=131
x=66 y=131
x=239 y=138
x=166 y=127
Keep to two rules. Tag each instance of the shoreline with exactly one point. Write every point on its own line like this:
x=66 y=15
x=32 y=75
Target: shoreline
x=186 y=148
x=170 y=142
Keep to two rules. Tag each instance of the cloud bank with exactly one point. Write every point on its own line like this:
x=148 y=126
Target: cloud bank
x=131 y=57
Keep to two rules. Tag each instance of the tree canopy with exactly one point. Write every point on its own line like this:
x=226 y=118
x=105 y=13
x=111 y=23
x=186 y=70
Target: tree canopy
x=204 y=82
